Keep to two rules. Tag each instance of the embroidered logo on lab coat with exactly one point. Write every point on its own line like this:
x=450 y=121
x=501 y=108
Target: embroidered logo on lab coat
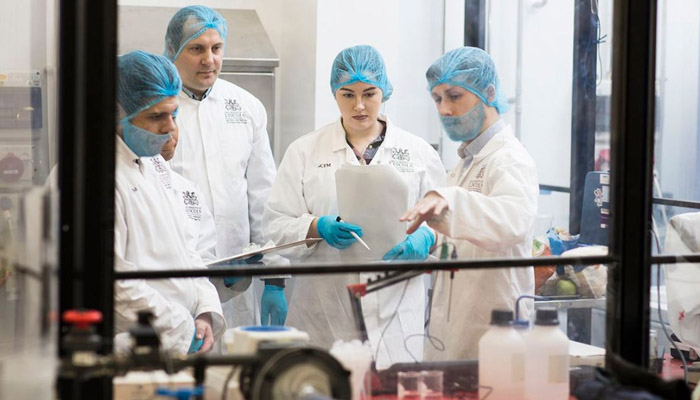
x=162 y=172
x=192 y=207
x=234 y=112
x=401 y=160
x=477 y=184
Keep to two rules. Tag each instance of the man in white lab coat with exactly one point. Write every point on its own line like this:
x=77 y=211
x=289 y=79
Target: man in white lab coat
x=224 y=149
x=487 y=209
x=149 y=231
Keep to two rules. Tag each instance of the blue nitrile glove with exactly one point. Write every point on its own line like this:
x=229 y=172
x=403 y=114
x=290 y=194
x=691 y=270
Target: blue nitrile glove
x=416 y=246
x=230 y=281
x=274 y=305
x=196 y=343
x=337 y=233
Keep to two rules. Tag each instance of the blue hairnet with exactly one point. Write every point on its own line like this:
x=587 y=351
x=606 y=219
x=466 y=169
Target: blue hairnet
x=145 y=79
x=187 y=24
x=472 y=69
x=360 y=64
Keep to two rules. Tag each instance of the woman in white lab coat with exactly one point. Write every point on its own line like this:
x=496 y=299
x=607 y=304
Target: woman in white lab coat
x=487 y=208
x=302 y=204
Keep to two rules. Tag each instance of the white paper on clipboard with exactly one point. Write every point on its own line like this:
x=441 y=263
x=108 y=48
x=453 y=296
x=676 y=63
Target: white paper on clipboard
x=373 y=197
x=264 y=250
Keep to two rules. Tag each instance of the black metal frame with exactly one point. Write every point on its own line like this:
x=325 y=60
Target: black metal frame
x=583 y=108
x=475 y=23
x=86 y=101
x=349 y=268
x=86 y=173
x=632 y=144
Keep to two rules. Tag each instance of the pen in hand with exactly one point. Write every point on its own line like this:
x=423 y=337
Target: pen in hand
x=362 y=242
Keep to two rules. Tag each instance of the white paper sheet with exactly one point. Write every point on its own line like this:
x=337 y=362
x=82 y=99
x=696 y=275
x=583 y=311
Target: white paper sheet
x=373 y=197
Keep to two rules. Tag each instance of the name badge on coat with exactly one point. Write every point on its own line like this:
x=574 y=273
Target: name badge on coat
x=477 y=184
x=234 y=113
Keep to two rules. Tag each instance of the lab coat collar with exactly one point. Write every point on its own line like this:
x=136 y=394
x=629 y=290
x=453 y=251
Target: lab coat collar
x=339 y=142
x=211 y=93
x=193 y=96
x=497 y=141
x=125 y=154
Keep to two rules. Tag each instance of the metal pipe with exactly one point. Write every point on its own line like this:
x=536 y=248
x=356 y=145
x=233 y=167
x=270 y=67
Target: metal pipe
x=676 y=203
x=554 y=188
x=676 y=259
x=519 y=69
x=351 y=268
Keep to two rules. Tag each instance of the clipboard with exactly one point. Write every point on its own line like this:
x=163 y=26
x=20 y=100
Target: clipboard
x=264 y=250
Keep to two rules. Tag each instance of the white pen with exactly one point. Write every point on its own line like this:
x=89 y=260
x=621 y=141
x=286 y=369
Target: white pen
x=362 y=242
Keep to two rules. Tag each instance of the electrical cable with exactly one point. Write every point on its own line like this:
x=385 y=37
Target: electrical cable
x=224 y=390
x=591 y=82
x=440 y=346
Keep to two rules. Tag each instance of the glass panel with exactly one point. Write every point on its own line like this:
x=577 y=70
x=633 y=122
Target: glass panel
x=676 y=287
x=673 y=318
x=557 y=88
x=28 y=202
x=677 y=129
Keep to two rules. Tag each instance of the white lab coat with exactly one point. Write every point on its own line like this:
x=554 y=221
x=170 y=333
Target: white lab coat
x=149 y=235
x=492 y=207
x=225 y=150
x=200 y=230
x=305 y=189
x=683 y=279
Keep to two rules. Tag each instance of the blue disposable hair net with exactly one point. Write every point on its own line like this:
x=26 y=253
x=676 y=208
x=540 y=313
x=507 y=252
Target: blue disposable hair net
x=189 y=23
x=360 y=64
x=472 y=69
x=144 y=79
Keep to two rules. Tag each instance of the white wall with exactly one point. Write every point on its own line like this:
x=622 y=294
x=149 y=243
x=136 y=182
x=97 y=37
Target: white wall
x=346 y=24
x=408 y=35
x=546 y=76
x=291 y=26
x=453 y=33
x=678 y=70
x=16 y=53
x=420 y=43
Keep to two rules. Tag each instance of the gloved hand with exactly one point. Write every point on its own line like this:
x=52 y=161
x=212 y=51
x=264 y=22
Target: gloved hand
x=196 y=343
x=256 y=259
x=416 y=246
x=337 y=233
x=274 y=305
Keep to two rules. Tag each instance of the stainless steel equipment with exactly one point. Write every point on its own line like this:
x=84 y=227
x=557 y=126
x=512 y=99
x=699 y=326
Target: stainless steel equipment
x=250 y=61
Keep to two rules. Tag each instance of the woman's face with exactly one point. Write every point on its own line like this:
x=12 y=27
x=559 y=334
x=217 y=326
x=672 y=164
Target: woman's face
x=453 y=101
x=359 y=105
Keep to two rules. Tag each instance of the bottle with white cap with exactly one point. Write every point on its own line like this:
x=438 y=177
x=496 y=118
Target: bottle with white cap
x=547 y=365
x=501 y=359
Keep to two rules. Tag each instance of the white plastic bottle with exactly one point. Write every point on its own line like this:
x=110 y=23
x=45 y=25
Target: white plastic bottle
x=502 y=360
x=547 y=364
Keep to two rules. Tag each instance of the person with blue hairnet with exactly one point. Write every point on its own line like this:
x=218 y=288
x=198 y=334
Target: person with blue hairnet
x=225 y=150
x=150 y=232
x=303 y=204
x=487 y=208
